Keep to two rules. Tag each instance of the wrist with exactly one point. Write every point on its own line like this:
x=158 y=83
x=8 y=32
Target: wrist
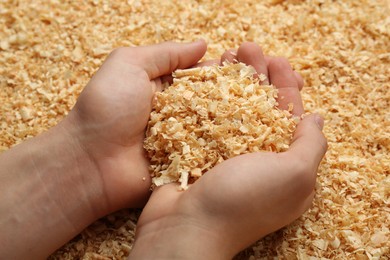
x=87 y=181
x=52 y=193
x=179 y=238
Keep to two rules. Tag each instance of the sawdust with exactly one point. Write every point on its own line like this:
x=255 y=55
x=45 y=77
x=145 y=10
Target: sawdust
x=49 y=50
x=209 y=115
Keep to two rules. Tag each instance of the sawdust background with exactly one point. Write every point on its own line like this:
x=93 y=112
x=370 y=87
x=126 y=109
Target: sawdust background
x=49 y=50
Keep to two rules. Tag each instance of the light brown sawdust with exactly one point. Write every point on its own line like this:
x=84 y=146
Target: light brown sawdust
x=49 y=50
x=211 y=114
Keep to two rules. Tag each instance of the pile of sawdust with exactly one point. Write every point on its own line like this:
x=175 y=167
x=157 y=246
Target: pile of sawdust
x=209 y=115
x=50 y=49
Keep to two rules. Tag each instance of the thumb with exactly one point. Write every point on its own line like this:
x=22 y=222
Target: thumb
x=162 y=59
x=309 y=143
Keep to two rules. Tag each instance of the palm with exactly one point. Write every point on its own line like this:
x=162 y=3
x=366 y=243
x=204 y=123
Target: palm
x=247 y=193
x=116 y=120
x=113 y=111
x=119 y=116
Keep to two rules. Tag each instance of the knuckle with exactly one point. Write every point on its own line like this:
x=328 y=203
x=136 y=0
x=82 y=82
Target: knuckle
x=131 y=55
x=120 y=51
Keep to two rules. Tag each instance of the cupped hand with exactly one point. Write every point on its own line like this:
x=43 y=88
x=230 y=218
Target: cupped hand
x=112 y=112
x=243 y=198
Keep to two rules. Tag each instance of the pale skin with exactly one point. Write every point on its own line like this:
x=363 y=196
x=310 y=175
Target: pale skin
x=92 y=163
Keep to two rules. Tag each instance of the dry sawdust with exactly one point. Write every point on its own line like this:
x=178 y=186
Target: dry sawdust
x=209 y=115
x=49 y=50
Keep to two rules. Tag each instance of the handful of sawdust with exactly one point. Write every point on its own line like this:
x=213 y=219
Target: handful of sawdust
x=209 y=115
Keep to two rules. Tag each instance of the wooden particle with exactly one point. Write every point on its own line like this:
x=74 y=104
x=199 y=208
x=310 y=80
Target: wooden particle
x=290 y=107
x=335 y=243
x=188 y=94
x=77 y=54
x=26 y=113
x=4 y=45
x=321 y=244
x=196 y=173
x=262 y=77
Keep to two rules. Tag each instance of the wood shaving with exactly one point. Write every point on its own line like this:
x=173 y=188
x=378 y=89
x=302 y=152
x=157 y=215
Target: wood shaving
x=209 y=115
x=341 y=48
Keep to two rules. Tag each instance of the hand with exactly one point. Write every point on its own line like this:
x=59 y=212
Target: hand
x=241 y=199
x=92 y=162
x=112 y=112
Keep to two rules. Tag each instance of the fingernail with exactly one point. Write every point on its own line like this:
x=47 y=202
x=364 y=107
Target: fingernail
x=319 y=121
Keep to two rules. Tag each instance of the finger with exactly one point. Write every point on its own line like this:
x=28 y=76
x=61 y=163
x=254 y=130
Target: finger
x=267 y=59
x=297 y=75
x=299 y=79
x=229 y=55
x=309 y=144
x=282 y=76
x=251 y=54
x=207 y=63
x=162 y=59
